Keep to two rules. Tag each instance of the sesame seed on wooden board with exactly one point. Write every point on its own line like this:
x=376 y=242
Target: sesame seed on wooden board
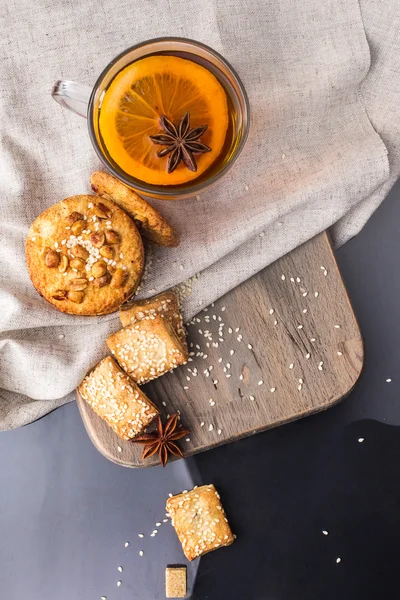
x=273 y=354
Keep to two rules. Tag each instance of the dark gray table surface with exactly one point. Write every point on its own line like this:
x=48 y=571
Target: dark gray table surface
x=66 y=512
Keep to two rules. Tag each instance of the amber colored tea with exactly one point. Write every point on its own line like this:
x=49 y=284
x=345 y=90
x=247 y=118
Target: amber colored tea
x=167 y=120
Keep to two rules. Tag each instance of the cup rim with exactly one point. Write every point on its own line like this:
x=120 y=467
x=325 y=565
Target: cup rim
x=168 y=192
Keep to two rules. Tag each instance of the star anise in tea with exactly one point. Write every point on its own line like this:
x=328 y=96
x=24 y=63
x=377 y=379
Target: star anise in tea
x=163 y=439
x=181 y=142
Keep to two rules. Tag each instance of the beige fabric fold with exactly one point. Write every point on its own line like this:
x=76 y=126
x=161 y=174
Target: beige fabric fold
x=322 y=138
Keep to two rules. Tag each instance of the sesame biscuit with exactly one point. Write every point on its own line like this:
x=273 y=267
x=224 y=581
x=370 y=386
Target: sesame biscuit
x=200 y=521
x=152 y=225
x=147 y=349
x=165 y=304
x=85 y=255
x=117 y=399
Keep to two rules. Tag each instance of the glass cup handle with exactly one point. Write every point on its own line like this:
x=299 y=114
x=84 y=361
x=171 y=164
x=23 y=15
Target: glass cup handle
x=73 y=96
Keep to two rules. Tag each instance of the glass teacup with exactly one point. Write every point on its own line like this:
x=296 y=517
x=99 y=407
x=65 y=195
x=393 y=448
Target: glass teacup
x=87 y=102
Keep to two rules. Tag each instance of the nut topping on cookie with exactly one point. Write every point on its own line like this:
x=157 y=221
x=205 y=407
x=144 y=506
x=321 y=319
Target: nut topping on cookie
x=79 y=284
x=60 y=295
x=78 y=264
x=112 y=237
x=76 y=296
x=99 y=268
x=78 y=227
x=102 y=281
x=51 y=258
x=107 y=252
x=101 y=211
x=80 y=252
x=73 y=217
x=98 y=239
x=119 y=278
x=63 y=266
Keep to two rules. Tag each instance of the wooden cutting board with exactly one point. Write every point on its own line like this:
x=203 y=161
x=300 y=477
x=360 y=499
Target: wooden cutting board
x=283 y=345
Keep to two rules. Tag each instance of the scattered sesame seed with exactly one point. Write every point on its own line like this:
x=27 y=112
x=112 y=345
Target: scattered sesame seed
x=300 y=380
x=322 y=268
x=61 y=336
x=262 y=234
x=271 y=311
x=340 y=353
x=304 y=310
x=223 y=308
x=325 y=273
x=165 y=520
x=312 y=339
x=361 y=440
x=241 y=377
x=230 y=330
x=202 y=424
x=305 y=294
x=219 y=431
x=316 y=294
x=338 y=560
x=246 y=187
x=251 y=397
x=141 y=552
x=260 y=382
x=120 y=569
x=388 y=380
x=250 y=347
x=210 y=427
x=298 y=279
x=158 y=524
x=291 y=366
x=231 y=352
x=273 y=389
x=119 y=448
x=292 y=279
x=275 y=322
x=164 y=403
x=198 y=197
x=187 y=440
x=103 y=597
x=308 y=355
x=299 y=326
x=141 y=535
x=237 y=329
x=126 y=544
x=283 y=277
x=119 y=583
x=325 y=532
x=337 y=326
x=299 y=387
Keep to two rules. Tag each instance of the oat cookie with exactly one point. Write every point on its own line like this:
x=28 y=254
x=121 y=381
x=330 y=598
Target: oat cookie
x=151 y=224
x=85 y=255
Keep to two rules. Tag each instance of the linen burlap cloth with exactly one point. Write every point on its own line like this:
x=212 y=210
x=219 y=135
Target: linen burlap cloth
x=324 y=89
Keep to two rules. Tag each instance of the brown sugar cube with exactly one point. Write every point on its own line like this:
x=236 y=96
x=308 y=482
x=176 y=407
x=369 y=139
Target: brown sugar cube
x=199 y=520
x=147 y=349
x=175 y=582
x=117 y=399
x=165 y=304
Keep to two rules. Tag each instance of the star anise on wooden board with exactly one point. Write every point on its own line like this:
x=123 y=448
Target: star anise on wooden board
x=163 y=439
x=181 y=142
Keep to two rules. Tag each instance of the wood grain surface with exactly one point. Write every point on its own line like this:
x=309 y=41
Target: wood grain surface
x=282 y=345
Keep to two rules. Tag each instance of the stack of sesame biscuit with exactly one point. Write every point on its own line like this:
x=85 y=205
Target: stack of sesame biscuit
x=151 y=345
